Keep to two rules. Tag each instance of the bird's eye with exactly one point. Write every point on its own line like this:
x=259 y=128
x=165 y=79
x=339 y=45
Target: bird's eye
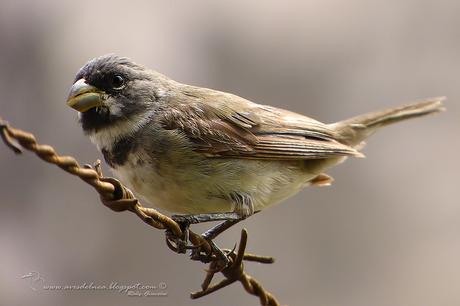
x=118 y=82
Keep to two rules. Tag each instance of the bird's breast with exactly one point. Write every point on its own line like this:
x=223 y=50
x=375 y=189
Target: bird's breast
x=174 y=187
x=164 y=170
x=205 y=185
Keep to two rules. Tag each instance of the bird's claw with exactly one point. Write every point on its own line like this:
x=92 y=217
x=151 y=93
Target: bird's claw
x=221 y=256
x=180 y=244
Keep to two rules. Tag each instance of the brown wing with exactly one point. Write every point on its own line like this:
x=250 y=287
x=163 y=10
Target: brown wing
x=211 y=121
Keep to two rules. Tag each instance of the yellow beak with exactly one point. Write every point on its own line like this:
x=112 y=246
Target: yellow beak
x=84 y=97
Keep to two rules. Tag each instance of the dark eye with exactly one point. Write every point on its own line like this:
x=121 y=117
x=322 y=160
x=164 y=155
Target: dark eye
x=118 y=82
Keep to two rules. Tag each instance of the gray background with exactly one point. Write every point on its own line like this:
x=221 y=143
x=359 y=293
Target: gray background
x=386 y=233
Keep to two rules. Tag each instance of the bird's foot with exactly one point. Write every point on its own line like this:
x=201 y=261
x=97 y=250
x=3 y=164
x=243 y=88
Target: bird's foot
x=179 y=244
x=217 y=255
x=182 y=244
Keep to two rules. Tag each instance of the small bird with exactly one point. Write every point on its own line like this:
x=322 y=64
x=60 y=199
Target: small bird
x=207 y=153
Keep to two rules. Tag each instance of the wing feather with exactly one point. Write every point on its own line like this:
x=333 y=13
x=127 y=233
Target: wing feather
x=225 y=125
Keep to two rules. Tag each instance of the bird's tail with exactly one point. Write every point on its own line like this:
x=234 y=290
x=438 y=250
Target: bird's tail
x=355 y=130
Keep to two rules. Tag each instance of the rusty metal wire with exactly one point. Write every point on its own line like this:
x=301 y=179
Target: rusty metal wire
x=119 y=198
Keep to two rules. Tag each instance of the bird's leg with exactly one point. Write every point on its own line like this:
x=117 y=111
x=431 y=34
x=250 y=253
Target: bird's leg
x=243 y=208
x=185 y=221
x=215 y=231
x=200 y=218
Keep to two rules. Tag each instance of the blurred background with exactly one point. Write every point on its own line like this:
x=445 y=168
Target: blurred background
x=386 y=233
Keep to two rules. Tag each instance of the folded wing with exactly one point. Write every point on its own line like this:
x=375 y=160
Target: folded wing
x=225 y=125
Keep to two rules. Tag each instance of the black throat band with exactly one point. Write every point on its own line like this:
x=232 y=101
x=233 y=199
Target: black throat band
x=118 y=154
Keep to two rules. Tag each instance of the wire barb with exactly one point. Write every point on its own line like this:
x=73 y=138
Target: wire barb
x=235 y=272
x=117 y=197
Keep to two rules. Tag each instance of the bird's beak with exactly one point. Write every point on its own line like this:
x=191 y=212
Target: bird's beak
x=84 y=97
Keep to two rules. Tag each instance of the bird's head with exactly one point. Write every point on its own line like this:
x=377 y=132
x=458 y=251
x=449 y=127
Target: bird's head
x=110 y=89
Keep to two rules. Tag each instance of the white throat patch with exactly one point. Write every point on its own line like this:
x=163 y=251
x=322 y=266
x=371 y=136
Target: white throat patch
x=108 y=136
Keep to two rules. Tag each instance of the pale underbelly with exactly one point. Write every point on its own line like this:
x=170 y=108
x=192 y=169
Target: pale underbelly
x=203 y=187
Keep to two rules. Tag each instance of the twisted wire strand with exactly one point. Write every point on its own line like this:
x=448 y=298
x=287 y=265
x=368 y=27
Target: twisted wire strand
x=235 y=272
x=119 y=198
x=107 y=189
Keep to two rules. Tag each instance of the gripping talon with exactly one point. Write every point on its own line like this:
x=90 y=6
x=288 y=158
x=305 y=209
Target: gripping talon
x=179 y=244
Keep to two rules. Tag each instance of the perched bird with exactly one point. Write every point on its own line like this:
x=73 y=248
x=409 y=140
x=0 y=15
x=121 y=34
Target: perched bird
x=193 y=150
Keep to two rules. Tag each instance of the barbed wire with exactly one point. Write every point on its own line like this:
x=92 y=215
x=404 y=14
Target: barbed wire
x=117 y=197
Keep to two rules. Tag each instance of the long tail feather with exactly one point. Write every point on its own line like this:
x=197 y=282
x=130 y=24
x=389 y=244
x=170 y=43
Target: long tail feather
x=355 y=130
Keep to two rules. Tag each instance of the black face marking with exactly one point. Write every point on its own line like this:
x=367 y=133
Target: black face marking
x=116 y=77
x=118 y=155
x=94 y=119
